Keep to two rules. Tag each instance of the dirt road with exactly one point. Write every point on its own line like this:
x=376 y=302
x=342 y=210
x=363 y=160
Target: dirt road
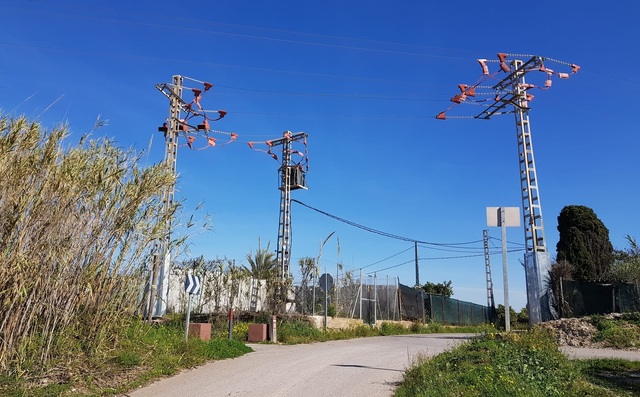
x=368 y=367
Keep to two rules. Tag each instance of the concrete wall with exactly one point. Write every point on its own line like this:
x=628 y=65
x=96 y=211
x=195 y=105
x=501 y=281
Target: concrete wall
x=215 y=293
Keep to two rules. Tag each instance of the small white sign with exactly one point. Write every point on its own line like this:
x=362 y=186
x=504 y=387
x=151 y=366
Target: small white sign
x=511 y=215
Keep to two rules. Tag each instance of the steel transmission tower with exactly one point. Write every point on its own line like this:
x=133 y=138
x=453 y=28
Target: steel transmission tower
x=178 y=124
x=292 y=177
x=512 y=95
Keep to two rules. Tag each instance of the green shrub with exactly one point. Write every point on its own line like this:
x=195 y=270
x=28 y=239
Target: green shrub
x=393 y=329
x=298 y=332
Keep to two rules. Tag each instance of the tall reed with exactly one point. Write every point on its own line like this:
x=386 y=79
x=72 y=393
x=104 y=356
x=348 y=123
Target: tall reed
x=77 y=224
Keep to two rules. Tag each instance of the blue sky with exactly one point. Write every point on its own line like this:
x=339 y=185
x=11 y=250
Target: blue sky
x=365 y=80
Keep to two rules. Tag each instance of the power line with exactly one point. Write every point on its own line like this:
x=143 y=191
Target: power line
x=376 y=231
x=440 y=258
x=387 y=258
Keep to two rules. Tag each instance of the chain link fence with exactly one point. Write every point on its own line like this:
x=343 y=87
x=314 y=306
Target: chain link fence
x=372 y=299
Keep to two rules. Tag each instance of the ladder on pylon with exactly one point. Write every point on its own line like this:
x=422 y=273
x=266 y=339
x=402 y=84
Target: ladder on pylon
x=532 y=210
x=284 y=228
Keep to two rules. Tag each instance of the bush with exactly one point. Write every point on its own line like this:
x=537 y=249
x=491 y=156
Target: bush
x=298 y=332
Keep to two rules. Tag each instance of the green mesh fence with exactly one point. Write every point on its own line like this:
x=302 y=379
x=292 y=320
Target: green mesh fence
x=584 y=298
x=453 y=311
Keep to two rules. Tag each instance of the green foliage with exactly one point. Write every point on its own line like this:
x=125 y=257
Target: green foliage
x=444 y=288
x=527 y=364
x=293 y=332
x=619 y=334
x=262 y=264
x=218 y=349
x=393 y=329
x=584 y=242
x=626 y=266
x=500 y=317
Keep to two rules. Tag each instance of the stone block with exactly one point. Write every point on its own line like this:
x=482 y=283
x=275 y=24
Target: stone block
x=257 y=333
x=200 y=330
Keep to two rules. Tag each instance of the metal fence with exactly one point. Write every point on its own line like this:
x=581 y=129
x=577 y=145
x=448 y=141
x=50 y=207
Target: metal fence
x=579 y=298
x=418 y=305
x=372 y=301
x=349 y=297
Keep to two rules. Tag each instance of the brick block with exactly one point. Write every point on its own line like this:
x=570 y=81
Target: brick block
x=200 y=330
x=257 y=332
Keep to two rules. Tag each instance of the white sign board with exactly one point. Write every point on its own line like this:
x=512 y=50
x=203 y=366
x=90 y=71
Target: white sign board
x=511 y=215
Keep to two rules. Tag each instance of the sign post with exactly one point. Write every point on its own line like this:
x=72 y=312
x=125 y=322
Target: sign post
x=326 y=283
x=503 y=217
x=191 y=286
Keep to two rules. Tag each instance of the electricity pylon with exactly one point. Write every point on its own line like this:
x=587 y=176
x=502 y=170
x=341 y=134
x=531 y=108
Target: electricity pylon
x=177 y=125
x=512 y=92
x=292 y=177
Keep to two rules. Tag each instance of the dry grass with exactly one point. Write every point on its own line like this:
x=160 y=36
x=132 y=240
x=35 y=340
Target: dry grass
x=76 y=227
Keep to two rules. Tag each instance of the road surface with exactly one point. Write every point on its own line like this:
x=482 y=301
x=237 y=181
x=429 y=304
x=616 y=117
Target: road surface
x=585 y=352
x=370 y=367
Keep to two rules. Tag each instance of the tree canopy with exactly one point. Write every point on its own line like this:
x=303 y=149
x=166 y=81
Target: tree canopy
x=584 y=243
x=444 y=288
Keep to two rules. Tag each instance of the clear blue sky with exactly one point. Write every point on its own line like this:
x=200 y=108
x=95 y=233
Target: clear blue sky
x=365 y=80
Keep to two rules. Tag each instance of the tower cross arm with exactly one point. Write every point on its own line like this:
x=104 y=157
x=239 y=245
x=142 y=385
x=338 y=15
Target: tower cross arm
x=289 y=137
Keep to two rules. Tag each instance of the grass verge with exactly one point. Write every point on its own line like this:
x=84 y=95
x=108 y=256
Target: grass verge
x=527 y=364
x=143 y=353
x=293 y=332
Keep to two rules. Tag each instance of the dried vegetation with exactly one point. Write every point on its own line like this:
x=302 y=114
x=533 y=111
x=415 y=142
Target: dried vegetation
x=76 y=225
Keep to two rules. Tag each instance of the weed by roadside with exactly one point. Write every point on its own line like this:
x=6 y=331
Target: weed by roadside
x=527 y=364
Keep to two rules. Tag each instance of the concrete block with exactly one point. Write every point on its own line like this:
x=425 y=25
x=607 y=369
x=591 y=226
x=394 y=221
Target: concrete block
x=257 y=332
x=200 y=330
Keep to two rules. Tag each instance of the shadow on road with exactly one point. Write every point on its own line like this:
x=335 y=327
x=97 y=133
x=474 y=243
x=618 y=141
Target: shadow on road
x=366 y=367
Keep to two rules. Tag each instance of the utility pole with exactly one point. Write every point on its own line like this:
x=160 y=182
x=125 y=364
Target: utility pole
x=512 y=95
x=176 y=126
x=415 y=246
x=171 y=130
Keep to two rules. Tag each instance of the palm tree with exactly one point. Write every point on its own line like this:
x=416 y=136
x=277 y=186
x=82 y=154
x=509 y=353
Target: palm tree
x=263 y=265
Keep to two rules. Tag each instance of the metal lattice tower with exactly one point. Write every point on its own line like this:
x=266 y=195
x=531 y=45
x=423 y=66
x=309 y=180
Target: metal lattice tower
x=512 y=92
x=537 y=263
x=517 y=97
x=487 y=267
x=291 y=178
x=177 y=125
